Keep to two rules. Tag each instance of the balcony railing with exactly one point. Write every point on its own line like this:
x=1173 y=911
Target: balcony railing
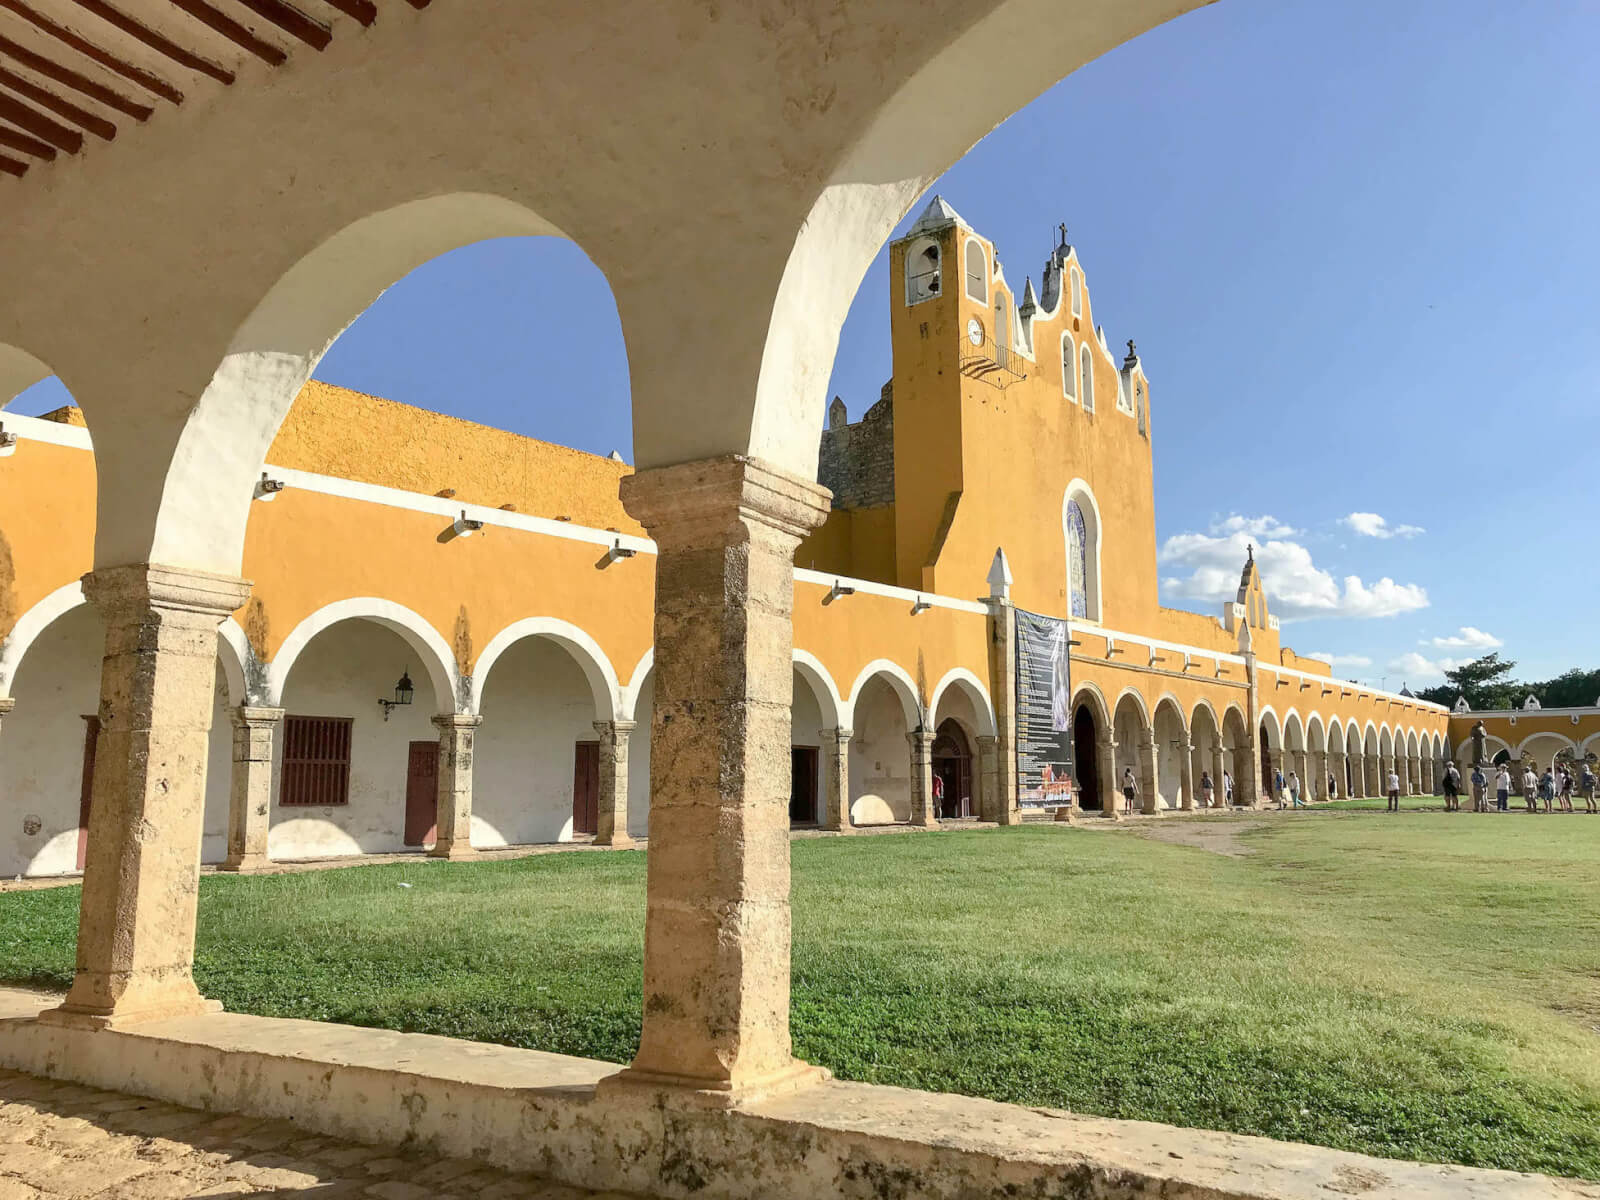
x=998 y=366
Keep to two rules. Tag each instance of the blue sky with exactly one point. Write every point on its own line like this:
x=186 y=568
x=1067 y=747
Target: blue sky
x=1355 y=241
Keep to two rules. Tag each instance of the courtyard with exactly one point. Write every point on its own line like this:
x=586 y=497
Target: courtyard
x=1415 y=987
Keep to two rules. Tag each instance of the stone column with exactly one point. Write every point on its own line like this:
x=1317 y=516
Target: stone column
x=1319 y=767
x=250 y=791
x=611 y=821
x=1429 y=784
x=990 y=783
x=923 y=810
x=1186 y=774
x=1105 y=753
x=999 y=801
x=1147 y=770
x=1274 y=769
x=1335 y=767
x=716 y=953
x=453 y=839
x=141 y=877
x=836 y=779
x=1247 y=773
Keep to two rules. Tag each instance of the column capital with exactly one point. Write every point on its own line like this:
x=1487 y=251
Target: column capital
x=251 y=716
x=138 y=587
x=448 y=721
x=615 y=728
x=921 y=738
x=707 y=502
x=839 y=733
x=7 y=703
x=988 y=740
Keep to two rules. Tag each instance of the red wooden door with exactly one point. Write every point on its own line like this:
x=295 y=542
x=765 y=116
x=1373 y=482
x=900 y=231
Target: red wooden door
x=586 y=787
x=91 y=735
x=422 y=793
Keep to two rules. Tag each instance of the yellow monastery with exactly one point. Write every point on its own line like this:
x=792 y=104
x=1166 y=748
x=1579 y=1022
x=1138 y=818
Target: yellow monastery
x=977 y=630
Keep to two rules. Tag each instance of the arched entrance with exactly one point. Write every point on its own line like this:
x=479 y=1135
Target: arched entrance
x=1084 y=738
x=952 y=772
x=1266 y=764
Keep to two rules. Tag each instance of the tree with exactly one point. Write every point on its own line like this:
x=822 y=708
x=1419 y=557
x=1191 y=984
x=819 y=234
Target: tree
x=1576 y=688
x=1485 y=682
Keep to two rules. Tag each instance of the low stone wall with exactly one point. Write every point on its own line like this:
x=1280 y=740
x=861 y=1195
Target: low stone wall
x=529 y=1111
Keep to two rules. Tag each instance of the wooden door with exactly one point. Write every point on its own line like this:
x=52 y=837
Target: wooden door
x=586 y=787
x=422 y=793
x=803 y=785
x=91 y=735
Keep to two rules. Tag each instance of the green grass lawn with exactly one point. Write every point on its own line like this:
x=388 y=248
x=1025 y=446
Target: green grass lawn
x=1419 y=986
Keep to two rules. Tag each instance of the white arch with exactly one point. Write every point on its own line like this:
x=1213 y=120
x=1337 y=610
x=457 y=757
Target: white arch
x=1369 y=736
x=31 y=624
x=1335 y=730
x=1205 y=706
x=968 y=274
x=1292 y=720
x=1591 y=744
x=899 y=682
x=969 y=683
x=585 y=651
x=1315 y=722
x=1168 y=700
x=1080 y=491
x=822 y=686
x=432 y=650
x=234 y=652
x=1089 y=692
x=1139 y=703
x=1086 y=376
x=1069 y=367
x=630 y=694
x=1522 y=746
x=1275 y=729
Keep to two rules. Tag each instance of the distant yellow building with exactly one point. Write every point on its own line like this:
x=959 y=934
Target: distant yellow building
x=977 y=626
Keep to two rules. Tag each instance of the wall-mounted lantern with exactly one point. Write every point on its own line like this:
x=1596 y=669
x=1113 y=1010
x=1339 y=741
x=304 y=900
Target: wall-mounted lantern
x=8 y=443
x=838 y=589
x=267 y=489
x=920 y=605
x=464 y=526
x=403 y=691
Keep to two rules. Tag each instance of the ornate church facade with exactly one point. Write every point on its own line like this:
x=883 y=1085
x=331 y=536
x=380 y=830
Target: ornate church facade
x=447 y=641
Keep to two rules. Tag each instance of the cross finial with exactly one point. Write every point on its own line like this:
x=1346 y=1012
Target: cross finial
x=1063 y=228
x=1133 y=351
x=1250 y=552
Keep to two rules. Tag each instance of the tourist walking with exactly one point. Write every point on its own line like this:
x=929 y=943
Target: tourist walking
x=1530 y=788
x=1294 y=790
x=1587 y=783
x=1227 y=787
x=1547 y=788
x=1502 y=788
x=1394 y=791
x=1479 y=782
x=1130 y=789
x=1277 y=785
x=1567 y=782
x=1207 y=791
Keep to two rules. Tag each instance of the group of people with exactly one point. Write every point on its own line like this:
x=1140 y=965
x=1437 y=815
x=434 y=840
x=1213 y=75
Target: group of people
x=1555 y=787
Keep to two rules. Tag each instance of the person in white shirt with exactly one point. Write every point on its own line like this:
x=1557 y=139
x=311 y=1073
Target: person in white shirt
x=1530 y=789
x=1394 y=791
x=1502 y=789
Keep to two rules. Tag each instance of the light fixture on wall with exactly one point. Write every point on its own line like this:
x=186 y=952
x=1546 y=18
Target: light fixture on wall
x=8 y=443
x=465 y=526
x=403 y=691
x=617 y=553
x=920 y=605
x=267 y=489
x=838 y=589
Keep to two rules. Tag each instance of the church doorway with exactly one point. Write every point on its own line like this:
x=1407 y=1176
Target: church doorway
x=1083 y=758
x=1266 y=765
x=952 y=771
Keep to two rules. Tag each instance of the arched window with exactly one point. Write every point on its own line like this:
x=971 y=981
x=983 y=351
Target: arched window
x=1002 y=332
x=922 y=272
x=977 y=272
x=1077 y=561
x=1080 y=529
x=1077 y=293
x=1069 y=368
x=1138 y=404
x=1087 y=361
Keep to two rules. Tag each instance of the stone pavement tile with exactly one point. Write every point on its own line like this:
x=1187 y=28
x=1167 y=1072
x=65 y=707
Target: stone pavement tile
x=395 y=1189
x=161 y=1185
x=270 y=1177
x=159 y=1119
x=446 y=1170
x=390 y=1165
x=347 y=1158
x=52 y=1171
x=15 y=1189
x=271 y=1135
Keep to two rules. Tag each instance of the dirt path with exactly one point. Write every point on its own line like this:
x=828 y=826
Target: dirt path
x=1219 y=837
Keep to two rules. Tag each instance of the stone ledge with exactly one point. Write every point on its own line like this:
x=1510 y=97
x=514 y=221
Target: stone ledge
x=526 y=1110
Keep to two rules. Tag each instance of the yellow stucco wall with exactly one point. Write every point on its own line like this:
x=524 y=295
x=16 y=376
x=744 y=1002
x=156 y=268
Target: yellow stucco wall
x=47 y=497
x=335 y=431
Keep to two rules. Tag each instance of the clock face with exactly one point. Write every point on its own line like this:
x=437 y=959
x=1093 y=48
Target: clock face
x=975 y=331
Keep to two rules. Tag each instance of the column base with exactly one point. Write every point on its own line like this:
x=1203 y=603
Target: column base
x=925 y=823
x=255 y=864
x=452 y=853
x=79 y=1018
x=621 y=841
x=691 y=1092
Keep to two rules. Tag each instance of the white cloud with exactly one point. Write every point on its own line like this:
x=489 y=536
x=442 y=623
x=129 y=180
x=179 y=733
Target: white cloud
x=1372 y=525
x=1414 y=668
x=1466 y=638
x=1342 y=660
x=1257 y=527
x=1205 y=568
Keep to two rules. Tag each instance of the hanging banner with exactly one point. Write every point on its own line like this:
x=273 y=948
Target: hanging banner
x=1044 y=712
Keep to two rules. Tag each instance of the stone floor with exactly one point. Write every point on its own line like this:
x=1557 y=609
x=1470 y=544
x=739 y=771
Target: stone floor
x=59 y=1141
